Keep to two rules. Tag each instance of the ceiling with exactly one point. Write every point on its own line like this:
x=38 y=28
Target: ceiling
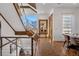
x=46 y=8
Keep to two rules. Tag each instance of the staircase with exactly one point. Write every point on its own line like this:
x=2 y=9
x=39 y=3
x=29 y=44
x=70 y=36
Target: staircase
x=25 y=9
x=15 y=22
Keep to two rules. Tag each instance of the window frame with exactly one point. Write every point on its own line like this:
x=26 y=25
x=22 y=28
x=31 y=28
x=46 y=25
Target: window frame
x=69 y=23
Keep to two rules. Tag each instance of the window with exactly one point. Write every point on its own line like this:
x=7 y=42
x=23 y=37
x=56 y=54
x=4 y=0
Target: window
x=30 y=21
x=67 y=24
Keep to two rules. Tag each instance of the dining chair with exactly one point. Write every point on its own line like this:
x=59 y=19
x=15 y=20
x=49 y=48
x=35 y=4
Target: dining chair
x=71 y=46
x=67 y=40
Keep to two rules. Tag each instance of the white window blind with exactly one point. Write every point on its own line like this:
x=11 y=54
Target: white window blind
x=67 y=24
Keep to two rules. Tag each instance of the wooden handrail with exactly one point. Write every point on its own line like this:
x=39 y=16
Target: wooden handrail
x=29 y=33
x=13 y=37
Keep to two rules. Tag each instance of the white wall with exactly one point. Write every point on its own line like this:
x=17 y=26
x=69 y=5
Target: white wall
x=5 y=28
x=57 y=17
x=43 y=16
x=77 y=20
x=9 y=12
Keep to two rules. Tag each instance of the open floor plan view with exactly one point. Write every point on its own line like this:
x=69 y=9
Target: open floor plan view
x=39 y=29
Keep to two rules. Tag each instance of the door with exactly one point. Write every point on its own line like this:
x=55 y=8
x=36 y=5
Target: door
x=43 y=28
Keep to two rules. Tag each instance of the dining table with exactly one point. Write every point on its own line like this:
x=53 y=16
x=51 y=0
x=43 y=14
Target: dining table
x=74 y=39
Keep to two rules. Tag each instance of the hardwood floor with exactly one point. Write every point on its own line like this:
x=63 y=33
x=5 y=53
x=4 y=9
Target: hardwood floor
x=46 y=48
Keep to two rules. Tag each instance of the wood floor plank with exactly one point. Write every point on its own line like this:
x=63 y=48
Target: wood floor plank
x=45 y=48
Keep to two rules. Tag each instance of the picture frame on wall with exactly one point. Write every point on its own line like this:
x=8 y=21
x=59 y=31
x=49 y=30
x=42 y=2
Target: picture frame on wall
x=43 y=24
